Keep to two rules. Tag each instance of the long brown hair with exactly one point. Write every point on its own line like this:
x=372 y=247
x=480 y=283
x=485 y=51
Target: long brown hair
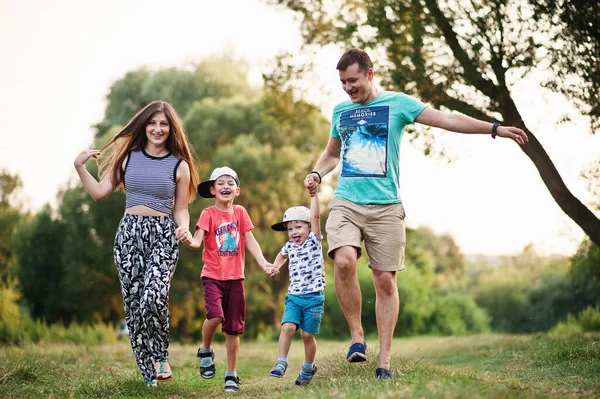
x=133 y=137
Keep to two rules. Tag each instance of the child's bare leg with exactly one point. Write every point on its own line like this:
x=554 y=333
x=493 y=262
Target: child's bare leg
x=285 y=338
x=285 y=341
x=232 y=344
x=310 y=347
x=209 y=328
x=310 y=352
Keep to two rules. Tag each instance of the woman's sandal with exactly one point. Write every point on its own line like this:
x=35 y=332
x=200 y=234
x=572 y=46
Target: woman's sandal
x=207 y=372
x=163 y=375
x=151 y=384
x=279 y=369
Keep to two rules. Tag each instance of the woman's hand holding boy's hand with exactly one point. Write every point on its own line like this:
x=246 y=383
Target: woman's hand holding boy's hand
x=185 y=236
x=182 y=232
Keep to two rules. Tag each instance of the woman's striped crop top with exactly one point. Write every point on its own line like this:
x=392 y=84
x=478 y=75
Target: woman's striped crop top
x=151 y=181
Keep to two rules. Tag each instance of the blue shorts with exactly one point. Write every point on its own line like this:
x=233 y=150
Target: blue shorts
x=305 y=311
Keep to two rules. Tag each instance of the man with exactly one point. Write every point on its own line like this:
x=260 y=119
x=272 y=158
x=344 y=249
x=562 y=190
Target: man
x=365 y=137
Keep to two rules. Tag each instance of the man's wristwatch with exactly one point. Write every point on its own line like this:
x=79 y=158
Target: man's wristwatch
x=494 y=128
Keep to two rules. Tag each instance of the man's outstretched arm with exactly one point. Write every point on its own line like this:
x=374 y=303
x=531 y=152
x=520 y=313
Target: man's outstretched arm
x=460 y=123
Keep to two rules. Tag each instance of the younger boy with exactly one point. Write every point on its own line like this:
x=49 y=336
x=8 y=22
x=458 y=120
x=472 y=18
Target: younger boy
x=225 y=229
x=305 y=300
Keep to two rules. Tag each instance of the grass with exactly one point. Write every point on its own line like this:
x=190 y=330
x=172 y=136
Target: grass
x=481 y=366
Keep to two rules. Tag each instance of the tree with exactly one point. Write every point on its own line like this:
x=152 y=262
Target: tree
x=459 y=55
x=218 y=77
x=10 y=215
x=38 y=246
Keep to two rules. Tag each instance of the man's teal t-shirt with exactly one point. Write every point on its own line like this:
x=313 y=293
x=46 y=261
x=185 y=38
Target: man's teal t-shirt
x=370 y=135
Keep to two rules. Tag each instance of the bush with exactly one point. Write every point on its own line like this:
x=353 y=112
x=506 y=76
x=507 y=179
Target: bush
x=569 y=327
x=417 y=302
x=422 y=309
x=457 y=314
x=29 y=331
x=9 y=308
x=504 y=295
x=589 y=319
x=585 y=271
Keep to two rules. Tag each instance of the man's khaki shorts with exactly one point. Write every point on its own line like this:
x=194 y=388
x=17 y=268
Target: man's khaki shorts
x=381 y=227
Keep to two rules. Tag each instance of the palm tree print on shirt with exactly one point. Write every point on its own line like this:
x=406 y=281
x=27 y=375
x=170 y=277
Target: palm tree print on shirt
x=364 y=135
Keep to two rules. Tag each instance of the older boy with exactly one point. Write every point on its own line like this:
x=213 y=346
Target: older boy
x=225 y=229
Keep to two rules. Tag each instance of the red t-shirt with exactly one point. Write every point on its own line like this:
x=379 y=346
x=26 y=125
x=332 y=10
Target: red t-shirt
x=223 y=254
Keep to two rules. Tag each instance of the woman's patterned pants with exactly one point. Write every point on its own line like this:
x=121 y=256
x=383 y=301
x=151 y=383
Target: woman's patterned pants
x=146 y=254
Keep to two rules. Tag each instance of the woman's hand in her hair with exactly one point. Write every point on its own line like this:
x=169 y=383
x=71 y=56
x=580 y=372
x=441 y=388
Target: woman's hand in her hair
x=84 y=156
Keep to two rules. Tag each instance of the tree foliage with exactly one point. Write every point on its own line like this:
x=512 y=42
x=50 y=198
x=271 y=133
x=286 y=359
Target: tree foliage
x=10 y=215
x=437 y=252
x=526 y=293
x=219 y=77
x=585 y=272
x=459 y=55
x=38 y=247
x=574 y=52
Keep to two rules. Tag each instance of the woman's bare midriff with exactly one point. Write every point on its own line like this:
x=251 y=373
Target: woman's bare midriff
x=142 y=210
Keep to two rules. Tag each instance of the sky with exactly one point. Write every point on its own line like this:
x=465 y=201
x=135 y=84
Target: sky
x=60 y=57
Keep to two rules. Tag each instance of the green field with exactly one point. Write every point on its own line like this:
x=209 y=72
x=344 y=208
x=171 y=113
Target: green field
x=482 y=366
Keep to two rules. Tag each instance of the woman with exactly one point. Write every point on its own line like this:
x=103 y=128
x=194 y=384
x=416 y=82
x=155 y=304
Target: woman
x=152 y=159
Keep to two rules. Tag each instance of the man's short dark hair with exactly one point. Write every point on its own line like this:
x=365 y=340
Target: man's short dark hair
x=352 y=56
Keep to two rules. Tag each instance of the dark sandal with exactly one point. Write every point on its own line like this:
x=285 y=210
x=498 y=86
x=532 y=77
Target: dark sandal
x=302 y=382
x=278 y=371
x=235 y=387
x=163 y=375
x=207 y=372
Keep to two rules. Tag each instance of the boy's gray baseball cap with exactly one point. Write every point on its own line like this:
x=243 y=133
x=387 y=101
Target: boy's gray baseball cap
x=204 y=187
x=300 y=213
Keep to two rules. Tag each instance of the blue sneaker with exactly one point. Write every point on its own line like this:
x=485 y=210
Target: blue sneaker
x=357 y=353
x=383 y=374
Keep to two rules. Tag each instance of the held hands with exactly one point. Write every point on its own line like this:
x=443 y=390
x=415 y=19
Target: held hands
x=84 y=156
x=311 y=183
x=271 y=270
x=183 y=234
x=514 y=133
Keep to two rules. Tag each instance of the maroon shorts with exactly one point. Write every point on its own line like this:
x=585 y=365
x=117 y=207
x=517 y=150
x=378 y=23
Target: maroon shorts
x=227 y=300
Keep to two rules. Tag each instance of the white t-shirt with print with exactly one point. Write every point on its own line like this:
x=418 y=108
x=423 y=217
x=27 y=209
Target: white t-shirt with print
x=306 y=265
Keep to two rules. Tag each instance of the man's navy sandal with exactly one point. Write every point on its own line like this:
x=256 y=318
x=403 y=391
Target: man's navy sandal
x=302 y=382
x=279 y=369
x=357 y=352
x=384 y=374
x=232 y=384
x=207 y=372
